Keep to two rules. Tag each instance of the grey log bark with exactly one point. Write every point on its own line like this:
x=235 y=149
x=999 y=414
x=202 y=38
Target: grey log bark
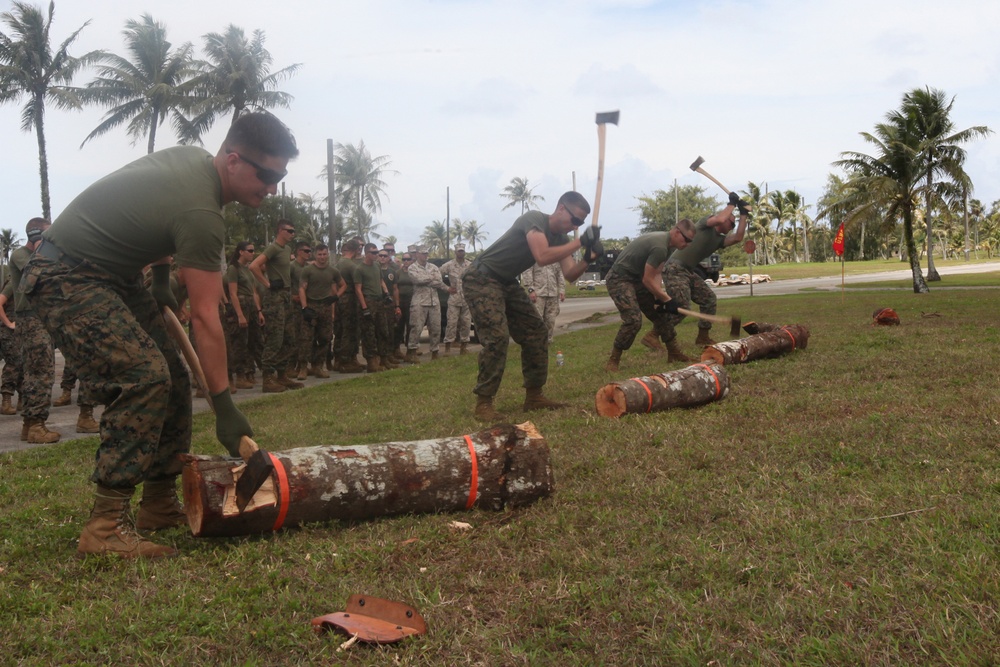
x=510 y=468
x=695 y=385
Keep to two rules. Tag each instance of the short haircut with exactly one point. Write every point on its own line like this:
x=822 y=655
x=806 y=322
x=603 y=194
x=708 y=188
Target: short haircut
x=299 y=245
x=350 y=246
x=321 y=246
x=284 y=223
x=370 y=246
x=686 y=226
x=576 y=199
x=260 y=133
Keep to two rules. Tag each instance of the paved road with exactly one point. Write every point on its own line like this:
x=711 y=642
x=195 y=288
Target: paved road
x=572 y=311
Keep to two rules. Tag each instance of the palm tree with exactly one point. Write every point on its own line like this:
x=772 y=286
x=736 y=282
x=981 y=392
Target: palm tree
x=146 y=87
x=30 y=69
x=435 y=237
x=797 y=214
x=518 y=192
x=890 y=179
x=360 y=187
x=778 y=209
x=8 y=242
x=474 y=233
x=237 y=76
x=940 y=153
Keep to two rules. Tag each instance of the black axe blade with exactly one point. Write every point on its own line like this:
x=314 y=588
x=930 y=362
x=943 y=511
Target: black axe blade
x=606 y=117
x=259 y=468
x=697 y=163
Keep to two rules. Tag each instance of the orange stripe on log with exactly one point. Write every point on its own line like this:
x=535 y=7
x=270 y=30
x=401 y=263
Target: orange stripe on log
x=474 y=482
x=718 y=386
x=284 y=493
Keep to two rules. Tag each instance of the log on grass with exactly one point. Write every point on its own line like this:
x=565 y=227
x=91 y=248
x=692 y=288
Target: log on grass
x=695 y=385
x=773 y=342
x=500 y=467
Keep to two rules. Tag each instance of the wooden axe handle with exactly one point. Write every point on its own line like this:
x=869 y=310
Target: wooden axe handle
x=177 y=332
x=713 y=179
x=704 y=316
x=602 y=133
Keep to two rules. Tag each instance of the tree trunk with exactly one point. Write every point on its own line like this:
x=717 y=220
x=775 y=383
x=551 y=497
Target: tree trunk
x=919 y=286
x=695 y=385
x=932 y=272
x=767 y=340
x=509 y=468
x=43 y=159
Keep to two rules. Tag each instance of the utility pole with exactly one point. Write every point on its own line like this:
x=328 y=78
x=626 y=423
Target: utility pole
x=331 y=198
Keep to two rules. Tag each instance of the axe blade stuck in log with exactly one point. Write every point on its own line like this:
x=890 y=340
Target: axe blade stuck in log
x=259 y=466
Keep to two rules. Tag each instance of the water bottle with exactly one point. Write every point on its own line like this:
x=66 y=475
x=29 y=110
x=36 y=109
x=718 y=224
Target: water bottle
x=559 y=358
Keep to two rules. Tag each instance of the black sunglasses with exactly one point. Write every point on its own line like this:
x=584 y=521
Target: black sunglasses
x=407 y=259
x=266 y=176
x=572 y=218
x=685 y=236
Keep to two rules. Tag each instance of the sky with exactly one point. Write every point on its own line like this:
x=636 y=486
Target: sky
x=464 y=95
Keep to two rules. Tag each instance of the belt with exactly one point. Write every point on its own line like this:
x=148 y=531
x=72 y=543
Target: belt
x=484 y=271
x=50 y=250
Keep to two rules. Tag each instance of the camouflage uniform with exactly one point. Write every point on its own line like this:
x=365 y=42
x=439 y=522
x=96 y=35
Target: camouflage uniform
x=10 y=380
x=625 y=287
x=238 y=338
x=345 y=323
x=374 y=326
x=683 y=283
x=320 y=285
x=401 y=333
x=549 y=287
x=459 y=317
x=303 y=337
x=37 y=353
x=425 y=306
x=280 y=328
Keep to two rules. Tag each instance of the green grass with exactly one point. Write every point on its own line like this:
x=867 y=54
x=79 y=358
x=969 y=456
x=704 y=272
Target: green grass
x=990 y=279
x=793 y=270
x=754 y=530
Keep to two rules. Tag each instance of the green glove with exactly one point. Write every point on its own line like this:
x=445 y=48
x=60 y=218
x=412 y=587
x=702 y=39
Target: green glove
x=161 y=287
x=230 y=423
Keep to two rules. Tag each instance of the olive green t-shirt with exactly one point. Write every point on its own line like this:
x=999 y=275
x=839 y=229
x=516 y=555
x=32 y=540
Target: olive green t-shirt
x=166 y=203
x=405 y=284
x=346 y=268
x=370 y=279
x=510 y=255
x=243 y=278
x=319 y=282
x=706 y=241
x=279 y=264
x=295 y=272
x=649 y=249
x=18 y=260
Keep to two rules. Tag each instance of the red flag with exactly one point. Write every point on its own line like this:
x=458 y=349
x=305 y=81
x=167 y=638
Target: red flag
x=838 y=241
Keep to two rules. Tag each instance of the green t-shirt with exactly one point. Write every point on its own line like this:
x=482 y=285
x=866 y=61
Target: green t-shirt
x=370 y=279
x=166 y=203
x=706 y=241
x=319 y=282
x=18 y=260
x=244 y=280
x=649 y=249
x=390 y=276
x=510 y=255
x=279 y=263
x=346 y=268
x=295 y=272
x=405 y=284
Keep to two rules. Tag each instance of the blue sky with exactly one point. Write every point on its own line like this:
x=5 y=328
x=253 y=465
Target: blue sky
x=465 y=95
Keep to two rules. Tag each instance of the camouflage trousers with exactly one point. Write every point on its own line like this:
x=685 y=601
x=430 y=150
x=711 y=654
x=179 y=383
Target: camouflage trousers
x=548 y=308
x=424 y=316
x=375 y=331
x=10 y=379
x=502 y=312
x=110 y=329
x=238 y=338
x=401 y=329
x=37 y=366
x=281 y=334
x=319 y=333
x=685 y=286
x=84 y=397
x=303 y=337
x=345 y=326
x=459 y=321
x=633 y=301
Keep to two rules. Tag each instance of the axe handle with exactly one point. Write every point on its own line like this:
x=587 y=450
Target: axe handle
x=713 y=179
x=704 y=316
x=602 y=133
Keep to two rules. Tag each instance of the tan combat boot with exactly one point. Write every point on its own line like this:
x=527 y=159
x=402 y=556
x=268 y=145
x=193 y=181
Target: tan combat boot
x=703 y=338
x=270 y=385
x=320 y=372
x=652 y=341
x=86 y=423
x=674 y=352
x=535 y=400
x=351 y=366
x=7 y=406
x=388 y=364
x=447 y=348
x=374 y=365
x=38 y=433
x=65 y=398
x=160 y=507
x=411 y=357
x=612 y=363
x=303 y=373
x=286 y=381
x=434 y=355
x=486 y=412
x=463 y=348
x=109 y=532
x=243 y=382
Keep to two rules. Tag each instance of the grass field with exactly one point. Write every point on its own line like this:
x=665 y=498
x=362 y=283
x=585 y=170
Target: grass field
x=839 y=506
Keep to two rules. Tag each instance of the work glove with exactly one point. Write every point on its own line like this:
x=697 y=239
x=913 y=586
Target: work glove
x=387 y=300
x=734 y=199
x=230 y=423
x=161 y=287
x=590 y=236
x=743 y=206
x=594 y=253
x=328 y=300
x=308 y=314
x=666 y=307
x=365 y=313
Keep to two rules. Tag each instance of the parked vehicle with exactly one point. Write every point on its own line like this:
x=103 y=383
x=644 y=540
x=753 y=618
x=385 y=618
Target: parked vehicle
x=711 y=267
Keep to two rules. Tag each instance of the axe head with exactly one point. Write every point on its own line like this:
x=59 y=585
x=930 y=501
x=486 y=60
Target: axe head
x=606 y=117
x=697 y=163
x=259 y=468
x=734 y=328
